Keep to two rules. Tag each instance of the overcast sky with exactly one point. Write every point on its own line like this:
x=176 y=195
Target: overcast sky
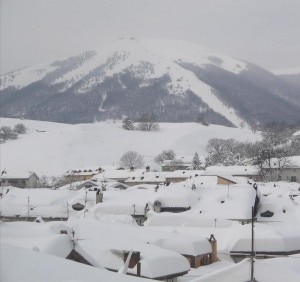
x=265 y=32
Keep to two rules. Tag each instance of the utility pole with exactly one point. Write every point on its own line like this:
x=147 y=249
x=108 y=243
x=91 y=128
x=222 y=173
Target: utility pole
x=85 y=201
x=67 y=209
x=28 y=207
x=252 y=279
x=133 y=209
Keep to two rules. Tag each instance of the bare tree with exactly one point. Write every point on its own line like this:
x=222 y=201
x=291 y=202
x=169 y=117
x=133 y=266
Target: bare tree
x=165 y=155
x=147 y=122
x=132 y=159
x=272 y=161
x=7 y=133
x=20 y=128
x=201 y=118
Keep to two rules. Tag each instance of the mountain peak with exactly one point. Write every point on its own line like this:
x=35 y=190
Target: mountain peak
x=174 y=79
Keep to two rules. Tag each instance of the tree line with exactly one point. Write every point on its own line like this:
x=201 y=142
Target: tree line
x=271 y=154
x=8 y=133
x=146 y=122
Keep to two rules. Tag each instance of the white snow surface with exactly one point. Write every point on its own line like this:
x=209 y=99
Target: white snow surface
x=270 y=270
x=292 y=71
x=116 y=238
x=54 y=148
x=42 y=237
x=23 y=77
x=44 y=202
x=21 y=265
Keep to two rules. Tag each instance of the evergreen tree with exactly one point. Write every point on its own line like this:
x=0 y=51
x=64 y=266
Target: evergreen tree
x=128 y=124
x=196 y=162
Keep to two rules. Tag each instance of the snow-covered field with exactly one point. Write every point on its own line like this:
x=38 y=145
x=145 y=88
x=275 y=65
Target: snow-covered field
x=53 y=148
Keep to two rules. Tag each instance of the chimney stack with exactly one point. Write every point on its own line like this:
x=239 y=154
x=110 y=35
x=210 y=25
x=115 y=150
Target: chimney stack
x=212 y=240
x=99 y=197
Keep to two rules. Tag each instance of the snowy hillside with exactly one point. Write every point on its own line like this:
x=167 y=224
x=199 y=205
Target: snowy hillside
x=53 y=148
x=159 y=53
x=175 y=80
x=286 y=71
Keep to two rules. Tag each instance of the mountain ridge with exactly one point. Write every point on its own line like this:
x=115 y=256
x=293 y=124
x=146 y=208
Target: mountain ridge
x=175 y=80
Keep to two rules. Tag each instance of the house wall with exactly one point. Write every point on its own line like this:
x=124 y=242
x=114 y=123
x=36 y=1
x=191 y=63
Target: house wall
x=174 y=167
x=141 y=183
x=256 y=178
x=20 y=183
x=175 y=179
x=31 y=182
x=223 y=181
x=290 y=175
x=75 y=178
x=200 y=260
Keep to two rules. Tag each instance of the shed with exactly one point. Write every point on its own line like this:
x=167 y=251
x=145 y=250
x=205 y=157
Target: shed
x=20 y=180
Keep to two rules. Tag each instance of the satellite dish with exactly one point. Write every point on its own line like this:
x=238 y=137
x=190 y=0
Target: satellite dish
x=78 y=207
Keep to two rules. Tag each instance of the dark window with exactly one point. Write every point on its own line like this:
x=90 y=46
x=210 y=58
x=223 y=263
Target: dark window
x=293 y=178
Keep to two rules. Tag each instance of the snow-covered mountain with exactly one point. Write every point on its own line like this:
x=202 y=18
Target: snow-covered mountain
x=291 y=76
x=175 y=80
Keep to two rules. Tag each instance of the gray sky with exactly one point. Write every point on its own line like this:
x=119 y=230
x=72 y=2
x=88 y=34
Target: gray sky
x=265 y=32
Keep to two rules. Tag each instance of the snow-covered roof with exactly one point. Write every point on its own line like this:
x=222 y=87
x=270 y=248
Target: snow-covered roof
x=90 y=170
x=44 y=202
x=288 y=162
x=232 y=170
x=105 y=244
x=275 y=270
x=275 y=238
x=42 y=237
x=18 y=264
x=17 y=175
x=153 y=177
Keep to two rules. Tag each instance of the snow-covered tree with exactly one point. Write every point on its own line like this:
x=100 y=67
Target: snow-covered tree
x=20 y=128
x=7 y=133
x=147 y=122
x=164 y=156
x=132 y=159
x=201 y=118
x=128 y=124
x=277 y=133
x=196 y=164
x=223 y=152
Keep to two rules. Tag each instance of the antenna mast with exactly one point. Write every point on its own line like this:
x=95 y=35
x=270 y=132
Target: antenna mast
x=252 y=279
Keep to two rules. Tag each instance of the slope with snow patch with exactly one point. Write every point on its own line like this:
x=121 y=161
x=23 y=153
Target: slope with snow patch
x=54 y=148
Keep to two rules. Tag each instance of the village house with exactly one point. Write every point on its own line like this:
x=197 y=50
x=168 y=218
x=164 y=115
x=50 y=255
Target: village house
x=290 y=172
x=86 y=173
x=250 y=172
x=145 y=178
x=20 y=180
x=180 y=175
x=81 y=174
x=172 y=165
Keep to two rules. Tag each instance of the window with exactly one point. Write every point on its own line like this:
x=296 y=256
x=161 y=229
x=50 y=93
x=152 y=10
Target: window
x=293 y=179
